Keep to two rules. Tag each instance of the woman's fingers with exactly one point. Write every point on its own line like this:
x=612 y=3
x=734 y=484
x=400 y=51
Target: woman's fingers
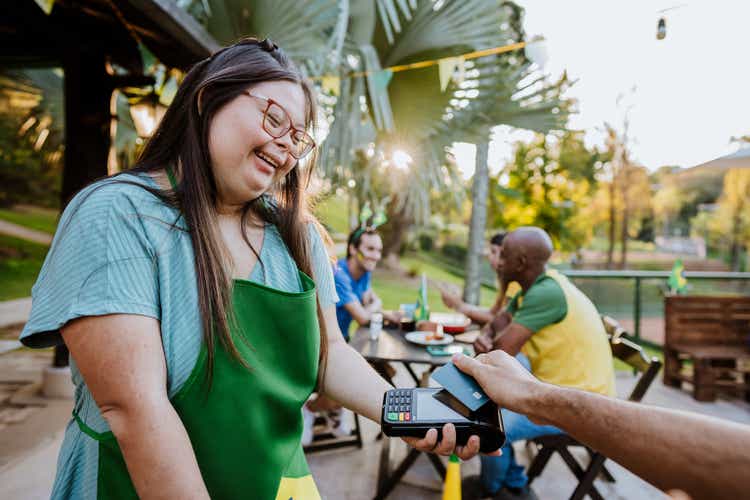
x=448 y=443
x=469 y=450
x=427 y=443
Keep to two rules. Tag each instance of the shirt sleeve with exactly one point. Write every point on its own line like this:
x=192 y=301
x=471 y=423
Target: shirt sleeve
x=344 y=288
x=322 y=271
x=101 y=262
x=543 y=304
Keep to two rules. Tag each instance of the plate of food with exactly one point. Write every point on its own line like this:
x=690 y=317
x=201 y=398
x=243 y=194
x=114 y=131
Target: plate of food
x=429 y=338
x=452 y=322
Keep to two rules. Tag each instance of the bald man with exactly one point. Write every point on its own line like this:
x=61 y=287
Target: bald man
x=561 y=334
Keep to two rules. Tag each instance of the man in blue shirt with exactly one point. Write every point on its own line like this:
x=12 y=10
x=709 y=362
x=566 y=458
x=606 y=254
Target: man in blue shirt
x=357 y=300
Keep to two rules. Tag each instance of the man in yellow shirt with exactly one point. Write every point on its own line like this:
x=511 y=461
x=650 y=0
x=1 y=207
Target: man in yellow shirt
x=506 y=291
x=560 y=332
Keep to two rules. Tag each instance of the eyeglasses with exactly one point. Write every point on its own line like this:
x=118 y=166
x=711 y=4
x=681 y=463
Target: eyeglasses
x=276 y=123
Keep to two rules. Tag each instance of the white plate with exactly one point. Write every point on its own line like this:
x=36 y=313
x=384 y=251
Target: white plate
x=421 y=338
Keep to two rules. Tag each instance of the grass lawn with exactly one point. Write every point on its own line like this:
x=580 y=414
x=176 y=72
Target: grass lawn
x=40 y=219
x=394 y=290
x=20 y=262
x=333 y=213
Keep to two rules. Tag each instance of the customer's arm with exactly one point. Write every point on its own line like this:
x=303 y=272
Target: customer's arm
x=705 y=457
x=122 y=362
x=351 y=381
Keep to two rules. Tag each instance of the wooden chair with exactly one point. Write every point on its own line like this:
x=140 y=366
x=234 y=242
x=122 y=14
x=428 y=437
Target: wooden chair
x=712 y=334
x=633 y=355
x=324 y=439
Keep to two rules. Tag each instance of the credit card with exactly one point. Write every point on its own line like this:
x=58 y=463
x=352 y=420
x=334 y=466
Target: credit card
x=461 y=386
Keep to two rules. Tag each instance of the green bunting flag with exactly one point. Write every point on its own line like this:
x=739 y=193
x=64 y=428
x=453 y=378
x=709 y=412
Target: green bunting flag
x=677 y=282
x=422 y=311
x=382 y=78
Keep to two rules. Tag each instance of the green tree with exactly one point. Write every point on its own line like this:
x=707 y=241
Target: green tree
x=549 y=183
x=31 y=136
x=732 y=216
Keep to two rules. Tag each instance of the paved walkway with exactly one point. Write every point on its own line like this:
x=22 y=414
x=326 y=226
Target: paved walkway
x=25 y=233
x=14 y=311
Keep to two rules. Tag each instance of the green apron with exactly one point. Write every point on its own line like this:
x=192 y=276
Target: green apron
x=246 y=430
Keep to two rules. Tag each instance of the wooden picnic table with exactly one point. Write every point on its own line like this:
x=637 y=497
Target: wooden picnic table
x=392 y=347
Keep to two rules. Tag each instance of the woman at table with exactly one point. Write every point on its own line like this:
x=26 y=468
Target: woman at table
x=506 y=291
x=197 y=301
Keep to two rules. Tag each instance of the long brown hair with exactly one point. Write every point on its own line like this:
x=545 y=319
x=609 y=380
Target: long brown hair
x=181 y=143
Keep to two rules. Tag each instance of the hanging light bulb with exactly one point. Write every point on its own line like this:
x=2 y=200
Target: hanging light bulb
x=661 y=29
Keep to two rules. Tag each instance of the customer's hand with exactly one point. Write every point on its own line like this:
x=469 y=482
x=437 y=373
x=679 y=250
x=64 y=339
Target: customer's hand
x=430 y=444
x=504 y=379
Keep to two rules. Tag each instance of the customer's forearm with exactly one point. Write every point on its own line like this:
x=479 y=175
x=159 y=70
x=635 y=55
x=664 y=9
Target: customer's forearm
x=351 y=381
x=706 y=457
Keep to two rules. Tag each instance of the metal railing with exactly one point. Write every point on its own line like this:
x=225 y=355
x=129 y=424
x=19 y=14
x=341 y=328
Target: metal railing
x=639 y=276
x=698 y=282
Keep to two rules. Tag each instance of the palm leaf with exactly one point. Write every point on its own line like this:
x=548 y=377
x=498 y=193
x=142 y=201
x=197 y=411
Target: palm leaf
x=310 y=31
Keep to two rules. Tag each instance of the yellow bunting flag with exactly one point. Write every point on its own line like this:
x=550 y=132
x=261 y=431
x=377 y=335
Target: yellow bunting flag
x=450 y=68
x=45 y=5
x=331 y=84
x=452 y=487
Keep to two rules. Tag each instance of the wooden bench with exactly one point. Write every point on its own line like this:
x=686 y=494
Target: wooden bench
x=712 y=333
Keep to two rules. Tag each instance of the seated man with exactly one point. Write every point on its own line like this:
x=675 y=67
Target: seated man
x=357 y=300
x=506 y=291
x=560 y=331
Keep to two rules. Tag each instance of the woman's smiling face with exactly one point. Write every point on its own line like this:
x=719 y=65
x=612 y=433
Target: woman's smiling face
x=245 y=159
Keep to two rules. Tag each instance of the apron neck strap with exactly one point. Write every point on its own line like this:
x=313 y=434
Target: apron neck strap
x=172 y=178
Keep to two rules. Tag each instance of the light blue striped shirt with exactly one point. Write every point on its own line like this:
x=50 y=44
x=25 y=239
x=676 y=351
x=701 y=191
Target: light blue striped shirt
x=116 y=252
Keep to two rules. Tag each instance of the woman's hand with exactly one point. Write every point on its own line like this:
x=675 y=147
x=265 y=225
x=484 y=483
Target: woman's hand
x=447 y=446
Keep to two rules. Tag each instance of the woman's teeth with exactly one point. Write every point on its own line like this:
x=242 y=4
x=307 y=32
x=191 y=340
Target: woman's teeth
x=267 y=159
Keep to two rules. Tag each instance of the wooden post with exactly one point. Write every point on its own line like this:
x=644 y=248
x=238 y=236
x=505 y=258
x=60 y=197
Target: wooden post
x=88 y=89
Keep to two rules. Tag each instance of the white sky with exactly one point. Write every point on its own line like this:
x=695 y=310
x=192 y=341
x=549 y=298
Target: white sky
x=692 y=89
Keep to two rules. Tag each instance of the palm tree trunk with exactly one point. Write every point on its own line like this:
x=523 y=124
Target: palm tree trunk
x=477 y=225
x=393 y=233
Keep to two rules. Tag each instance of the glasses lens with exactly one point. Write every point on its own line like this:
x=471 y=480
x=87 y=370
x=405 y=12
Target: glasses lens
x=303 y=144
x=276 y=122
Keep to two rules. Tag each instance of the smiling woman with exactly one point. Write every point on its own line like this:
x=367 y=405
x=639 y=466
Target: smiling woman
x=179 y=288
